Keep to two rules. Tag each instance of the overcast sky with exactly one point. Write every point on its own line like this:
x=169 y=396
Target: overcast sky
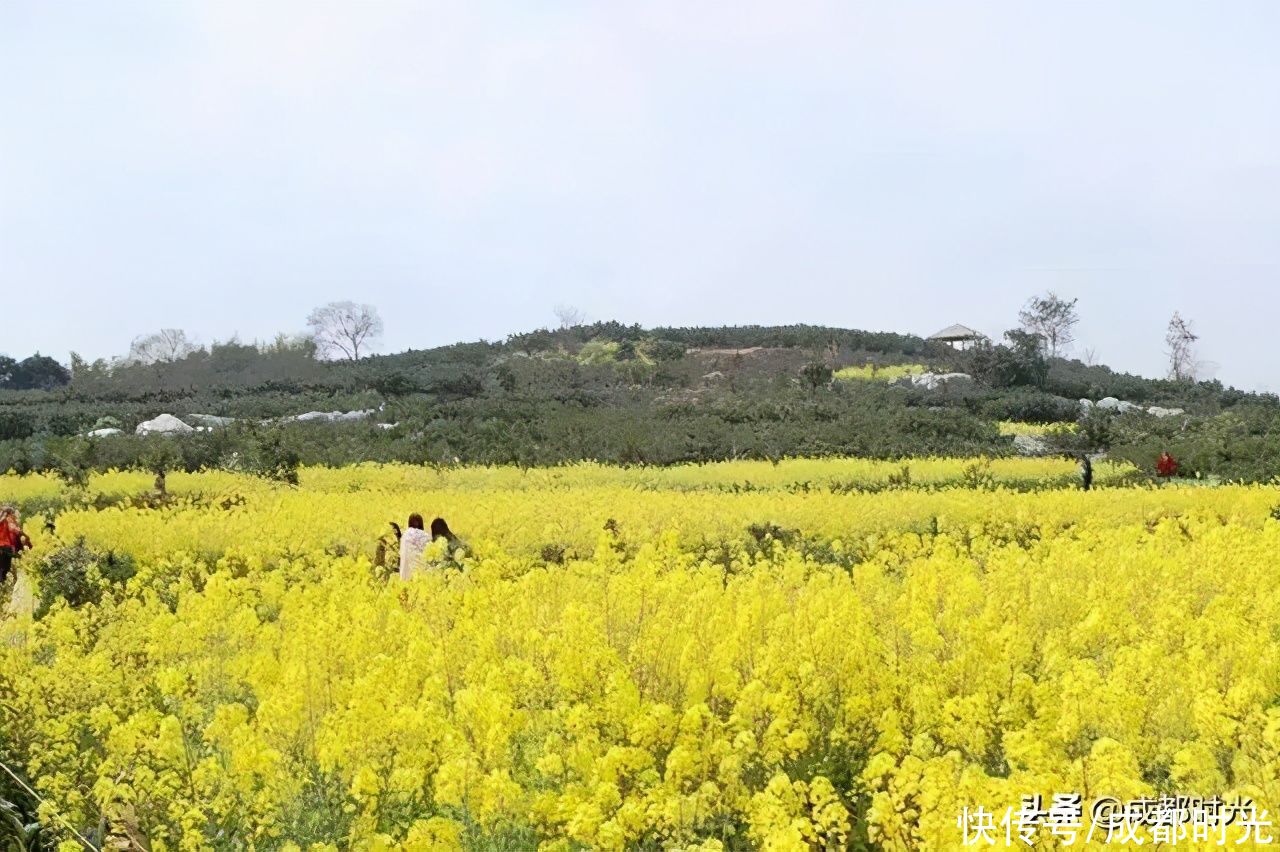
x=224 y=166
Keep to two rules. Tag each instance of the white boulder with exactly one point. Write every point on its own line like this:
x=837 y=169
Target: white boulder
x=1120 y=406
x=312 y=415
x=163 y=424
x=210 y=420
x=1029 y=445
x=103 y=433
x=933 y=381
x=1157 y=411
x=331 y=416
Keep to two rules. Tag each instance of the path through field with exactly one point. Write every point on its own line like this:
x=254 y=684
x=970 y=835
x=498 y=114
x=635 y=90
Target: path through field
x=22 y=600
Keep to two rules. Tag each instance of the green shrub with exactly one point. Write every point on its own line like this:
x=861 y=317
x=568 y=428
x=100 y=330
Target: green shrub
x=1029 y=406
x=16 y=425
x=816 y=374
x=275 y=459
x=78 y=575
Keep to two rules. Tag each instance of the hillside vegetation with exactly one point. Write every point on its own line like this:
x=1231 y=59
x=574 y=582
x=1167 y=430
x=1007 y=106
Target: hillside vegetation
x=618 y=393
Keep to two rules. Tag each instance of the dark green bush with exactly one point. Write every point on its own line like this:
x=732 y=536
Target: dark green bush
x=1030 y=406
x=816 y=374
x=16 y=425
x=78 y=575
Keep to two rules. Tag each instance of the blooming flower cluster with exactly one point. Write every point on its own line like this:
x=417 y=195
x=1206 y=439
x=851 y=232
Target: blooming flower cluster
x=1037 y=430
x=698 y=667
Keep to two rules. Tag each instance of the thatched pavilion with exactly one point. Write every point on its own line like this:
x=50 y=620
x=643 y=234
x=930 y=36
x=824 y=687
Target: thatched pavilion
x=959 y=336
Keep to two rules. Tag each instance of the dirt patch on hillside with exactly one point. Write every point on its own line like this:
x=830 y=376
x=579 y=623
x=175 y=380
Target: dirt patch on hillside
x=753 y=361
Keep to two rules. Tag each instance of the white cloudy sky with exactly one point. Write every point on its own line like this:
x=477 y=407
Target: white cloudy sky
x=224 y=166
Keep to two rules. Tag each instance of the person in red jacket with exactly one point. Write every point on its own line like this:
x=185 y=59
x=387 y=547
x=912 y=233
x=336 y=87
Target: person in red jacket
x=1167 y=465
x=12 y=540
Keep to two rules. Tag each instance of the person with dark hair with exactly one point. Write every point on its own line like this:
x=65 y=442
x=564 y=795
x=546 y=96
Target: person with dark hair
x=12 y=540
x=440 y=530
x=413 y=541
x=1086 y=472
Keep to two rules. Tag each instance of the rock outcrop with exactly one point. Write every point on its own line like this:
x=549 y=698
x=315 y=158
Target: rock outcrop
x=210 y=420
x=933 y=381
x=330 y=416
x=1029 y=445
x=1120 y=406
x=163 y=424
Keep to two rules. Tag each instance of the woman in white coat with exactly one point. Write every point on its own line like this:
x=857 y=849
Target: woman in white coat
x=412 y=543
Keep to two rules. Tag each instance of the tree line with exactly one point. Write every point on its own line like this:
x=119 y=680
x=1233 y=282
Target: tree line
x=37 y=372
x=348 y=331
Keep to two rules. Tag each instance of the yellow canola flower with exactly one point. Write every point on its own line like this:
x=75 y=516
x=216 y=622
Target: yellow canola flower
x=721 y=668
x=1012 y=427
x=878 y=373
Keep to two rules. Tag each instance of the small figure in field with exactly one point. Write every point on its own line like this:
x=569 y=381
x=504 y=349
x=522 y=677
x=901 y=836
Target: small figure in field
x=413 y=541
x=12 y=540
x=382 y=550
x=614 y=531
x=1086 y=472
x=1167 y=465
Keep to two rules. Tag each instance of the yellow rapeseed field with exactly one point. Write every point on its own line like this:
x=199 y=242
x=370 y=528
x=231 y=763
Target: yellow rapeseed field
x=1014 y=427
x=804 y=655
x=879 y=373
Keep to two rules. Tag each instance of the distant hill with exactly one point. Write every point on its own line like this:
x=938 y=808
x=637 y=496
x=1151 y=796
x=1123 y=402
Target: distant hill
x=618 y=393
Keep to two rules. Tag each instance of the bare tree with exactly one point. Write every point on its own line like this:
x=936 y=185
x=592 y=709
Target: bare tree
x=345 y=328
x=162 y=347
x=1053 y=319
x=569 y=316
x=1181 y=342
